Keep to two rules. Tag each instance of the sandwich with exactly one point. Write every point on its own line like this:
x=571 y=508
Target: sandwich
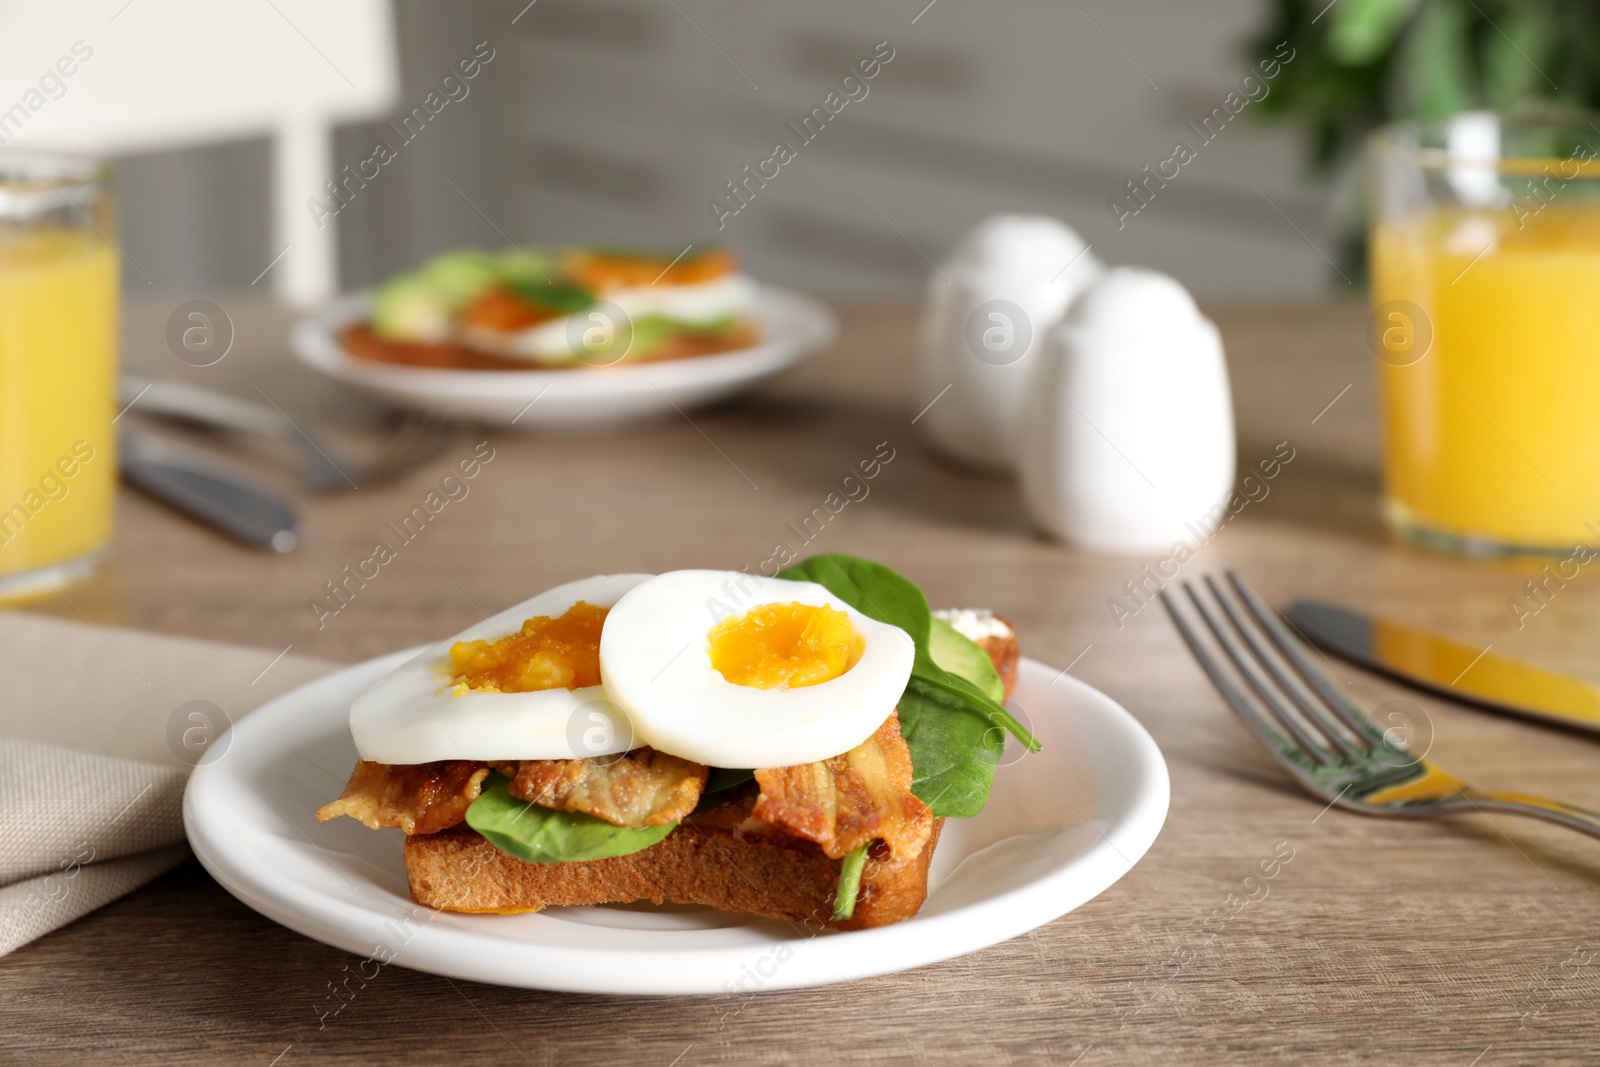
x=546 y=308
x=786 y=747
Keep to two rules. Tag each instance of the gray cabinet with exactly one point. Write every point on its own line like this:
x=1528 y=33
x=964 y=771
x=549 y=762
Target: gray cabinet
x=628 y=116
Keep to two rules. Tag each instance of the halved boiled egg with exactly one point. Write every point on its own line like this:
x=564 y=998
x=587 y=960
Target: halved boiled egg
x=522 y=684
x=732 y=670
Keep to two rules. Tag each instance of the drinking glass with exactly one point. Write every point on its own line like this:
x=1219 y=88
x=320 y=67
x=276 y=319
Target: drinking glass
x=58 y=321
x=1485 y=251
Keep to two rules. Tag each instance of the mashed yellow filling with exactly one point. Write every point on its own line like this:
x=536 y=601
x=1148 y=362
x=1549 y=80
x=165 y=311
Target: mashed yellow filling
x=546 y=653
x=785 y=646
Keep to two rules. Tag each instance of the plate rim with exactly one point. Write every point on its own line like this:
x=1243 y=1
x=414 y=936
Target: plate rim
x=881 y=950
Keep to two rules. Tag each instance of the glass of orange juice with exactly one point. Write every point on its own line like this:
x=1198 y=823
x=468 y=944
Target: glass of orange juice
x=58 y=337
x=1486 y=324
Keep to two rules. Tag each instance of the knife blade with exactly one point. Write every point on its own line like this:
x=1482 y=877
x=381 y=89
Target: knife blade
x=216 y=496
x=1449 y=668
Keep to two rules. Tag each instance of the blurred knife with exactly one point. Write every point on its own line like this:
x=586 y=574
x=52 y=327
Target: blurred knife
x=1451 y=669
x=215 y=496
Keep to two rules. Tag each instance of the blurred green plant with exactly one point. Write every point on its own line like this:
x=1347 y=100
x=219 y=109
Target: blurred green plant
x=1360 y=63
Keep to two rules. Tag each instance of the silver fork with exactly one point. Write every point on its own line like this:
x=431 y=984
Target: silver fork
x=416 y=438
x=1319 y=734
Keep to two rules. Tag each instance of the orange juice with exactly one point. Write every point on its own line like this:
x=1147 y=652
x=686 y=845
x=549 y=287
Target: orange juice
x=58 y=291
x=1492 y=435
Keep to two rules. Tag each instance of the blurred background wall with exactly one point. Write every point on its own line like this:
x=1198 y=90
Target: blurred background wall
x=616 y=121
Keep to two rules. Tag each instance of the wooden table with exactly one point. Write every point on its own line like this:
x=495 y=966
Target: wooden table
x=1449 y=943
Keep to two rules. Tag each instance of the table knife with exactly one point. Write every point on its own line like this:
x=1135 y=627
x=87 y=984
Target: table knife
x=214 y=495
x=1470 y=673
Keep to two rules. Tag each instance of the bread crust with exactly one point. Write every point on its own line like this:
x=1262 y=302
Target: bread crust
x=706 y=860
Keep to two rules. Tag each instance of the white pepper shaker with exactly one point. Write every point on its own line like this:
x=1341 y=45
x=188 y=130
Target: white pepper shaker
x=1127 y=439
x=1005 y=282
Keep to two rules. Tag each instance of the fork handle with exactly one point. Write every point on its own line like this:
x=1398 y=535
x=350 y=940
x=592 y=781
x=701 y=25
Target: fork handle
x=182 y=401
x=1539 y=808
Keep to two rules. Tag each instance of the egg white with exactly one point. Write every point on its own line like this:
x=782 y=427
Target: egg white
x=415 y=715
x=655 y=664
x=701 y=303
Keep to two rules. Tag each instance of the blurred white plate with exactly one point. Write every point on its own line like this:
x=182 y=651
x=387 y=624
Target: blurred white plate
x=793 y=326
x=1059 y=828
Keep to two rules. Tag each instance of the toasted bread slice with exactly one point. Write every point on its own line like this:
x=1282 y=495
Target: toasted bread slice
x=704 y=861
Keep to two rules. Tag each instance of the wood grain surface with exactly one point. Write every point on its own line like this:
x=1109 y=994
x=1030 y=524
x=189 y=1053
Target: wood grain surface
x=1454 y=943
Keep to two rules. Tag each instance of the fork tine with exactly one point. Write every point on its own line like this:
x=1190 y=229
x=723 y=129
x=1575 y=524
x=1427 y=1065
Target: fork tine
x=1294 y=652
x=1242 y=661
x=1237 y=698
x=1315 y=716
x=438 y=431
x=415 y=440
x=400 y=453
x=412 y=434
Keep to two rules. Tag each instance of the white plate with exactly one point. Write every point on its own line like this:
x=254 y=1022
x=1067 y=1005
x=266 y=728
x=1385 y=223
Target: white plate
x=581 y=400
x=1059 y=828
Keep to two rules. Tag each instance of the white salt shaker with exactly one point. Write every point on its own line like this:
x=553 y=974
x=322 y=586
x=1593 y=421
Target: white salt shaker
x=1127 y=438
x=1005 y=282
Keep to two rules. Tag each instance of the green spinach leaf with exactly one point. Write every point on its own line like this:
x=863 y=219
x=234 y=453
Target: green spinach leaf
x=870 y=588
x=955 y=748
x=844 y=898
x=559 y=298
x=542 y=835
x=956 y=732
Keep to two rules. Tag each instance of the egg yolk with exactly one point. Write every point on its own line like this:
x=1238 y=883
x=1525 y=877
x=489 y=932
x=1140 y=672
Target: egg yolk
x=785 y=646
x=546 y=653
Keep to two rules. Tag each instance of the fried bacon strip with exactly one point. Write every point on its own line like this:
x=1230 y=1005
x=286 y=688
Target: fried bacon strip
x=419 y=798
x=639 y=788
x=846 y=801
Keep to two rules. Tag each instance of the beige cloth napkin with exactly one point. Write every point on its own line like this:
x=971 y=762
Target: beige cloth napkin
x=92 y=756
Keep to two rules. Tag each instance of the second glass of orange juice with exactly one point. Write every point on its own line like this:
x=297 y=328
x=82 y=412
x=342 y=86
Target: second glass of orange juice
x=58 y=326
x=1486 y=324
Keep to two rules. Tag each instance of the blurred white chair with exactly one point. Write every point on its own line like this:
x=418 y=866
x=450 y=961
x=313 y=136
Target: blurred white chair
x=113 y=76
